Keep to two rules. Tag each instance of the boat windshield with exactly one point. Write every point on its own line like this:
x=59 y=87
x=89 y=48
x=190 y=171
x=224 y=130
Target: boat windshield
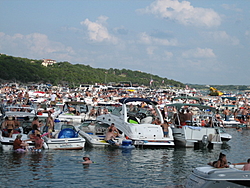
x=117 y=111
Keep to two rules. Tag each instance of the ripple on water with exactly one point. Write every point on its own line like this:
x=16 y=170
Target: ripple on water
x=114 y=167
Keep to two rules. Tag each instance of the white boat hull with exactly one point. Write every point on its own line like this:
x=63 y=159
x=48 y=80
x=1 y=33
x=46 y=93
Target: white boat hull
x=66 y=143
x=208 y=176
x=187 y=136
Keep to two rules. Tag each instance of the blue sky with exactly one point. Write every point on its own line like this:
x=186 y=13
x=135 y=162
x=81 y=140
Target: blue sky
x=196 y=41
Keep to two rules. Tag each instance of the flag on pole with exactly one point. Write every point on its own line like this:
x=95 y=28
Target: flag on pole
x=162 y=82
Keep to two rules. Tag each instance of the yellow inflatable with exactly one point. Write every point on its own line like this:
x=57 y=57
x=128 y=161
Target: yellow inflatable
x=215 y=92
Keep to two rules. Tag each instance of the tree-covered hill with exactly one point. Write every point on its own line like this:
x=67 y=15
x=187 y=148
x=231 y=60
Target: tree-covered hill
x=25 y=70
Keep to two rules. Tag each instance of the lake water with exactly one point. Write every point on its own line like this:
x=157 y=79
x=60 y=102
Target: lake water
x=115 y=167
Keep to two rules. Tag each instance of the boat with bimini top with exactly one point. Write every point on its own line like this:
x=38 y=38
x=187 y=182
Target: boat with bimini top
x=135 y=118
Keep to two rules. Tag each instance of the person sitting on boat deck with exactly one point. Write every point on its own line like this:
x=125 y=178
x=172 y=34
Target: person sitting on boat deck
x=157 y=121
x=209 y=122
x=246 y=167
x=114 y=129
x=37 y=122
x=110 y=138
x=92 y=112
x=16 y=129
x=165 y=126
x=34 y=131
x=221 y=162
x=86 y=159
x=105 y=110
x=20 y=145
x=72 y=110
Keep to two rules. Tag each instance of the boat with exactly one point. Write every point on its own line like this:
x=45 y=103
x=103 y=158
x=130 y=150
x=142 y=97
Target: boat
x=7 y=142
x=208 y=176
x=224 y=135
x=65 y=137
x=135 y=122
x=191 y=133
x=20 y=112
x=94 y=132
x=75 y=112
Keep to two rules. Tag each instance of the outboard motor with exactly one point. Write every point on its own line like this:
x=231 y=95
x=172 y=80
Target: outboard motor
x=205 y=140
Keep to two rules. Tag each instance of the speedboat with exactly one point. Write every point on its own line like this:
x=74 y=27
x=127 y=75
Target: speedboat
x=65 y=137
x=24 y=129
x=192 y=133
x=21 y=112
x=94 y=132
x=75 y=112
x=135 y=121
x=224 y=135
x=208 y=176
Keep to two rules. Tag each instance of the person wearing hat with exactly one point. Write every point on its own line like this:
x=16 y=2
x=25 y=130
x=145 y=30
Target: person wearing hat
x=19 y=145
x=87 y=160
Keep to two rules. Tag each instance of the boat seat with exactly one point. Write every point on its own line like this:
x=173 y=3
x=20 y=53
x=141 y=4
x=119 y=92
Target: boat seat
x=133 y=120
x=147 y=120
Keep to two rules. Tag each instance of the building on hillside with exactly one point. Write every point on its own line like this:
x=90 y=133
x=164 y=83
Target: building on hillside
x=47 y=62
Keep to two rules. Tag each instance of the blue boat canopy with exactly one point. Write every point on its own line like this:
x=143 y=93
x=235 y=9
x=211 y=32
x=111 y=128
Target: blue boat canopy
x=127 y=100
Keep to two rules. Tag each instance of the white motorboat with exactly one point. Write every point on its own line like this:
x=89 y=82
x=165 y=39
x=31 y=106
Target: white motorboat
x=208 y=176
x=94 y=132
x=224 y=135
x=75 y=112
x=191 y=133
x=7 y=142
x=64 y=138
x=135 y=122
x=21 y=112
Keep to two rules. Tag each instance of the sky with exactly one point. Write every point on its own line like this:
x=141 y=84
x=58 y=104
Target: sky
x=195 y=41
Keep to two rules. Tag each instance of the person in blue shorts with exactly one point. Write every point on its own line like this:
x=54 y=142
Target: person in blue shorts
x=110 y=137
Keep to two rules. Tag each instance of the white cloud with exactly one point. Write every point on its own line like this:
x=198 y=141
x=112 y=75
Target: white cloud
x=146 y=39
x=199 y=53
x=34 y=45
x=222 y=36
x=183 y=12
x=168 y=54
x=97 y=30
x=231 y=7
x=150 y=50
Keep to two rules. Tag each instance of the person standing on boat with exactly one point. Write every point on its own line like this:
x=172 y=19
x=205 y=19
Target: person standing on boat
x=10 y=125
x=165 y=126
x=226 y=112
x=50 y=124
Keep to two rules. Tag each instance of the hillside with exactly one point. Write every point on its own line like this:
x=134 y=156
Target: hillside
x=23 y=70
